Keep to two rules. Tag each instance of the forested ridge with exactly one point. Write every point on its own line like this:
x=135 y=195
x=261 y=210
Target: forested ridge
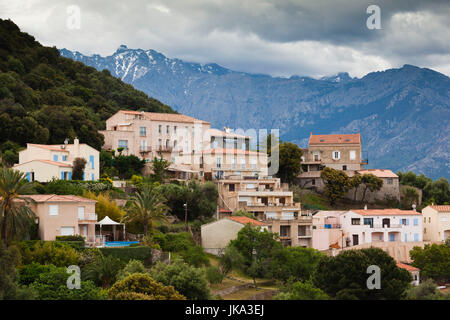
x=45 y=98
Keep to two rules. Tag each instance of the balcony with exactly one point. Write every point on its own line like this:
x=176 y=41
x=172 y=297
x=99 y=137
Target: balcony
x=91 y=217
x=144 y=149
x=164 y=149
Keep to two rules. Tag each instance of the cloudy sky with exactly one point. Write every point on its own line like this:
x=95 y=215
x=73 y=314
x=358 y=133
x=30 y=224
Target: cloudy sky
x=277 y=37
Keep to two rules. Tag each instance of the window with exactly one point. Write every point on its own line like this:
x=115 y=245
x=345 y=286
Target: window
x=142 y=131
x=167 y=144
x=219 y=162
x=123 y=144
x=174 y=144
x=389 y=180
x=368 y=221
x=53 y=209
x=429 y=219
x=243 y=163
x=167 y=129
x=443 y=219
x=336 y=155
x=406 y=237
x=344 y=167
x=356 y=221
x=80 y=213
x=316 y=156
x=159 y=143
x=352 y=154
x=285 y=231
x=416 y=237
x=64 y=158
x=91 y=161
x=416 y=222
x=174 y=129
x=160 y=128
x=254 y=163
x=313 y=182
x=55 y=157
x=231 y=187
x=425 y=220
x=67 y=231
x=405 y=222
x=233 y=163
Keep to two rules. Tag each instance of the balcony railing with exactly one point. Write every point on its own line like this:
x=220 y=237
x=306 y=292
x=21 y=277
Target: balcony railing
x=87 y=217
x=386 y=226
x=145 y=149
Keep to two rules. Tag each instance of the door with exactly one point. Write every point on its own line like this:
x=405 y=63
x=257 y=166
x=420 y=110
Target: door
x=67 y=231
x=355 y=239
x=386 y=223
x=392 y=237
x=84 y=231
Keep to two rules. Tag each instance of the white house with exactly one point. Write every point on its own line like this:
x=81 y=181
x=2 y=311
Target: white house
x=382 y=225
x=42 y=162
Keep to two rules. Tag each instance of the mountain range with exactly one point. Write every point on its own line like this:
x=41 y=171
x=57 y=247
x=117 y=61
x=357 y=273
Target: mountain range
x=402 y=113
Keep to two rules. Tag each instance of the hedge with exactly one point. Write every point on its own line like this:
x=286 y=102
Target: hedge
x=77 y=245
x=126 y=254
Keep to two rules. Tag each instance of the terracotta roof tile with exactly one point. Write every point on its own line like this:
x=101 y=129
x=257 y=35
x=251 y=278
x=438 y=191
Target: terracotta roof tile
x=335 y=139
x=245 y=220
x=407 y=267
x=48 y=147
x=380 y=173
x=57 y=198
x=171 y=117
x=441 y=208
x=59 y=164
x=386 y=212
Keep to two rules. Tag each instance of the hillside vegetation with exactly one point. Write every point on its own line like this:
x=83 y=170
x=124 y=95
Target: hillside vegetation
x=45 y=98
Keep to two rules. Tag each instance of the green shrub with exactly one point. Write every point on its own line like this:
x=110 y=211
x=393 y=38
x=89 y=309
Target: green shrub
x=133 y=266
x=142 y=253
x=52 y=285
x=70 y=238
x=213 y=275
x=49 y=252
x=188 y=280
x=31 y=272
x=195 y=256
x=142 y=287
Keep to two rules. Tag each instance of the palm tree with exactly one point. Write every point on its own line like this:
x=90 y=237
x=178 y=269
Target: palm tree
x=147 y=206
x=16 y=216
x=103 y=271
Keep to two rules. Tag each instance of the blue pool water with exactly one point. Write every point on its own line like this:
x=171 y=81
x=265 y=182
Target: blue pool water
x=119 y=243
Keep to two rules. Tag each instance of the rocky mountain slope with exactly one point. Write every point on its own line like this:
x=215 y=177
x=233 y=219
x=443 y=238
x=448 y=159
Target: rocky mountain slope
x=402 y=114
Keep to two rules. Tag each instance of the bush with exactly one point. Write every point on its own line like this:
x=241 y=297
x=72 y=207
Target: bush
x=103 y=271
x=195 y=256
x=142 y=253
x=70 y=238
x=188 y=280
x=133 y=266
x=31 y=272
x=52 y=285
x=427 y=290
x=142 y=287
x=213 y=275
x=174 y=242
x=303 y=291
x=59 y=254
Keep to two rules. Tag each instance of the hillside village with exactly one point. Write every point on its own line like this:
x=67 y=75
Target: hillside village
x=151 y=204
x=246 y=194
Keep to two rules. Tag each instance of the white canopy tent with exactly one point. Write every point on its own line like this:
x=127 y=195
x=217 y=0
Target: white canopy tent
x=107 y=221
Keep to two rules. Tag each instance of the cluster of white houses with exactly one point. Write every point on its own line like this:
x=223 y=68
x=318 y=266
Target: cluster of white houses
x=197 y=151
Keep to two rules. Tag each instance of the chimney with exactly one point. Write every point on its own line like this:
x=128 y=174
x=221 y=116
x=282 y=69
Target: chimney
x=76 y=146
x=414 y=206
x=365 y=207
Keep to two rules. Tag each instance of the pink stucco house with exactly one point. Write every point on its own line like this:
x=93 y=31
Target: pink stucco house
x=60 y=215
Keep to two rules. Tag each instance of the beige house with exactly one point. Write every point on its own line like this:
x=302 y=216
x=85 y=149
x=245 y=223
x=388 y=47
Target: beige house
x=343 y=152
x=390 y=188
x=60 y=215
x=194 y=149
x=218 y=234
x=415 y=272
x=436 y=222
x=44 y=162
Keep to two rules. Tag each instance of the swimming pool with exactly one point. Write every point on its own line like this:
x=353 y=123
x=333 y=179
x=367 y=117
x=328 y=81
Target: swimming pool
x=119 y=243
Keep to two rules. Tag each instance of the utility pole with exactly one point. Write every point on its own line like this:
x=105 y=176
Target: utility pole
x=185 y=217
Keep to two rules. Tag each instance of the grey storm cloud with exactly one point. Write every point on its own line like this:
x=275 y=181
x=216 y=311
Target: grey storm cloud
x=279 y=37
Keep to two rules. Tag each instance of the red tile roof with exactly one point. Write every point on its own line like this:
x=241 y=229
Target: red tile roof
x=335 y=138
x=386 y=212
x=380 y=173
x=441 y=208
x=170 y=117
x=59 y=164
x=245 y=220
x=224 y=210
x=48 y=147
x=56 y=198
x=407 y=267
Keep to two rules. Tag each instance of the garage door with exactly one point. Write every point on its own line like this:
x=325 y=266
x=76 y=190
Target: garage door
x=67 y=231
